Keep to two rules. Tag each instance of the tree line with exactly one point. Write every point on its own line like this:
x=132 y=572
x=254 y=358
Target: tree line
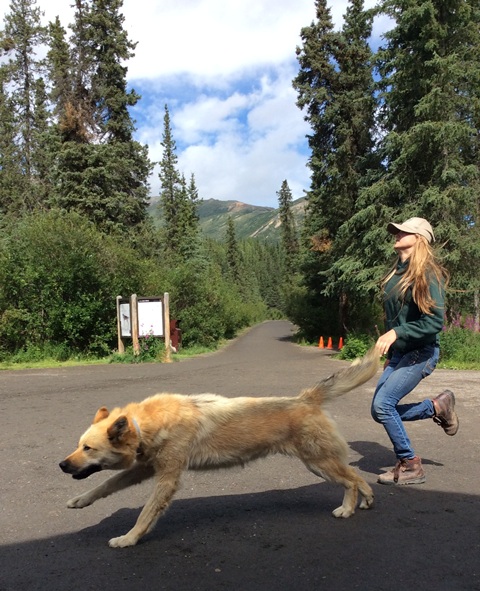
x=394 y=133
x=75 y=230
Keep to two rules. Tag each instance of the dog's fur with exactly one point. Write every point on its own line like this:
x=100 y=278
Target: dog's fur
x=169 y=433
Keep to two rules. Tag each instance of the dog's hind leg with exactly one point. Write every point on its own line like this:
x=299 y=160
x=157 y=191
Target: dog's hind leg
x=138 y=473
x=335 y=471
x=366 y=493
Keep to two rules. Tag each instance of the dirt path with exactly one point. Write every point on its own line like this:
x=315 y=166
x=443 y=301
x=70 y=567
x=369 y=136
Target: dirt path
x=265 y=527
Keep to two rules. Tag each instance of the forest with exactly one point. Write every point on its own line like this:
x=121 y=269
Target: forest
x=394 y=133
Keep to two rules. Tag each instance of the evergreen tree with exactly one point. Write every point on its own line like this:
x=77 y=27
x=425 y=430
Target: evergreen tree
x=315 y=84
x=73 y=83
x=233 y=253
x=43 y=148
x=109 y=48
x=20 y=39
x=270 y=272
x=60 y=72
x=178 y=201
x=430 y=84
x=101 y=170
x=170 y=185
x=288 y=228
x=194 y=200
x=335 y=86
x=192 y=225
x=13 y=184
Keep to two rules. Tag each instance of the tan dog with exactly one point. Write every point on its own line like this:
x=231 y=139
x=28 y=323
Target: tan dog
x=169 y=433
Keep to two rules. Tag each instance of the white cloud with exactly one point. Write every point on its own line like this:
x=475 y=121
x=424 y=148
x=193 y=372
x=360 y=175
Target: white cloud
x=225 y=70
x=209 y=115
x=242 y=146
x=214 y=38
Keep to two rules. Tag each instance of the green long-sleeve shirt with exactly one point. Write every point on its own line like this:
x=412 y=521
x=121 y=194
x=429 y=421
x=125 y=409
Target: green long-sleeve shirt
x=414 y=329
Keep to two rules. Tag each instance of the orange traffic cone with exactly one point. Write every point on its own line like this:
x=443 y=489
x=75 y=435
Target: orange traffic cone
x=320 y=343
x=329 y=344
x=340 y=344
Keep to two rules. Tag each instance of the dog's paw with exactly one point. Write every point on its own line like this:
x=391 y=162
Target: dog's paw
x=366 y=502
x=342 y=512
x=122 y=542
x=79 y=502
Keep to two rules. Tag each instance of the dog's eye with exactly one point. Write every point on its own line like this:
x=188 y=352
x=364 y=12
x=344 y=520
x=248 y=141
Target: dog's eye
x=86 y=447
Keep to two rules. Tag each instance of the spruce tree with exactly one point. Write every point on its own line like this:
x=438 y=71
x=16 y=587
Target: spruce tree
x=288 y=227
x=13 y=185
x=61 y=75
x=192 y=222
x=20 y=41
x=336 y=89
x=315 y=84
x=74 y=84
x=44 y=146
x=178 y=200
x=109 y=48
x=101 y=170
x=430 y=84
x=233 y=253
x=170 y=185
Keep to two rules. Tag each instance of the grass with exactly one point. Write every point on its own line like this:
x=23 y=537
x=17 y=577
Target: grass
x=49 y=363
x=459 y=365
x=459 y=348
x=460 y=351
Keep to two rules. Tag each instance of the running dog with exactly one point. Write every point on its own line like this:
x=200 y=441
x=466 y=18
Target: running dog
x=169 y=433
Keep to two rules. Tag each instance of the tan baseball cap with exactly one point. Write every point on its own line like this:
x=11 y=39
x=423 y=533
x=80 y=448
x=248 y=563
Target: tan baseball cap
x=413 y=226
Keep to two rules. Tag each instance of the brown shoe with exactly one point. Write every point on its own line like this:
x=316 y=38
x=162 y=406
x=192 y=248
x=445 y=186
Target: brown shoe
x=445 y=414
x=405 y=472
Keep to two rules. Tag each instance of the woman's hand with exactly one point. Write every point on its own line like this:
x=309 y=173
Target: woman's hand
x=385 y=341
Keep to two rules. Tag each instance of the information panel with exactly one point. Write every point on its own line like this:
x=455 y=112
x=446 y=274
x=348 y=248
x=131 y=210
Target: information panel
x=125 y=320
x=150 y=318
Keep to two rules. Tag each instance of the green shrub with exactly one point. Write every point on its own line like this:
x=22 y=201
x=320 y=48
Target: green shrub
x=207 y=305
x=152 y=349
x=36 y=353
x=59 y=278
x=460 y=345
x=356 y=345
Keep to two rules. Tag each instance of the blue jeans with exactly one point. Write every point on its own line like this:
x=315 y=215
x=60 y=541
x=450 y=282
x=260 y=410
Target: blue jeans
x=398 y=379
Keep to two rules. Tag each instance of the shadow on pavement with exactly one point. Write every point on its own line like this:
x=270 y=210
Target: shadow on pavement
x=258 y=541
x=375 y=455
x=275 y=532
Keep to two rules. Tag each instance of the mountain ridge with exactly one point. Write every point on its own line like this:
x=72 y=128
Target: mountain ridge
x=251 y=221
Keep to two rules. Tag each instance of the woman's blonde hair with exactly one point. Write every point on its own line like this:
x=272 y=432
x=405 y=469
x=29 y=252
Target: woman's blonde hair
x=423 y=265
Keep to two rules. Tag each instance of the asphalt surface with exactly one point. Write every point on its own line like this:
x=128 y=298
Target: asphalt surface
x=265 y=527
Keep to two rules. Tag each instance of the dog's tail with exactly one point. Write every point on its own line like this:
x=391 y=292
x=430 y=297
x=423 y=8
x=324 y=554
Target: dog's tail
x=341 y=382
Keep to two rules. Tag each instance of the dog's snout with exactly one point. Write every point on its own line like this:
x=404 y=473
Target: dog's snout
x=79 y=472
x=64 y=465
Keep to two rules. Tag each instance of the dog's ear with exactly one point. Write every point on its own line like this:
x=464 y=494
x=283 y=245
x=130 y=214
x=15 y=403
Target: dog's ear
x=102 y=413
x=118 y=429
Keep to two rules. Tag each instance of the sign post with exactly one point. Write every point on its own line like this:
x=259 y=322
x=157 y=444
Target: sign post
x=134 y=321
x=121 y=344
x=168 y=348
x=140 y=317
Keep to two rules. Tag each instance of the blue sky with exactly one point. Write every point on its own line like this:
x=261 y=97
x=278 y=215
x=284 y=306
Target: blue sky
x=224 y=68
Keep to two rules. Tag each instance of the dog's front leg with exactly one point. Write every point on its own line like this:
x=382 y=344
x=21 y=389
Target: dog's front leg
x=165 y=487
x=134 y=475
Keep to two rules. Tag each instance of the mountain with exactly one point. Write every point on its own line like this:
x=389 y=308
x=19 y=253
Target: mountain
x=251 y=221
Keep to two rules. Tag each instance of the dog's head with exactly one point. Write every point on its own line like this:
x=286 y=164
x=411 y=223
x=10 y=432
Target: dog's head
x=110 y=443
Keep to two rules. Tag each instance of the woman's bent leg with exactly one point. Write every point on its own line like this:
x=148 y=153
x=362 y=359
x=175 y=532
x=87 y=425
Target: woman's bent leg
x=399 y=378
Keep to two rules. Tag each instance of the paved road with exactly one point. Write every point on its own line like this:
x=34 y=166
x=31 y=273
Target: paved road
x=265 y=527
